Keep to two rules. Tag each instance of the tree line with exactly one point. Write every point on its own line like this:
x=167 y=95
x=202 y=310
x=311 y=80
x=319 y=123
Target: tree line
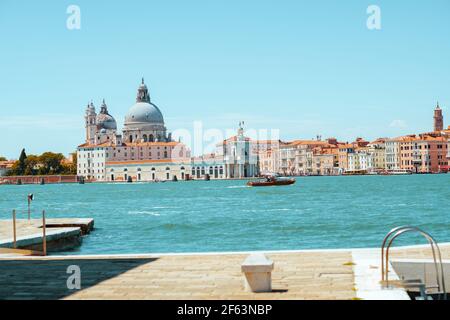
x=48 y=163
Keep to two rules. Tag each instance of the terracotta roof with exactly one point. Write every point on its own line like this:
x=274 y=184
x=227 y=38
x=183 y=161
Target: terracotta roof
x=7 y=164
x=138 y=144
x=379 y=140
x=345 y=146
x=87 y=145
x=150 y=144
x=232 y=139
x=168 y=161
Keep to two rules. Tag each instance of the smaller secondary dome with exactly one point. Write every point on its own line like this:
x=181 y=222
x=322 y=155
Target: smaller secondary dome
x=105 y=120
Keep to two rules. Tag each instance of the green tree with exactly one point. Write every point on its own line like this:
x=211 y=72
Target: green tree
x=22 y=163
x=3 y=159
x=50 y=163
x=31 y=164
x=71 y=168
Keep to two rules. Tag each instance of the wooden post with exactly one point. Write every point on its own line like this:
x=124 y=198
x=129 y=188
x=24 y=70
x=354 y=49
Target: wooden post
x=44 y=238
x=14 y=230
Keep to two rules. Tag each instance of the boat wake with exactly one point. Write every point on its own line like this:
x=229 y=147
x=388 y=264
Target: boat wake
x=149 y=213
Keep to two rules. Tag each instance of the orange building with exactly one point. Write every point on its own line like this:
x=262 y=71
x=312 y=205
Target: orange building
x=425 y=153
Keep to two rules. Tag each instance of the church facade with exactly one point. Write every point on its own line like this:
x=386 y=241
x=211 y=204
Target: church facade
x=143 y=151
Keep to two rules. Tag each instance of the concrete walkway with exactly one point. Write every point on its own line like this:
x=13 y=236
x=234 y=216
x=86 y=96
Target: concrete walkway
x=296 y=276
x=313 y=275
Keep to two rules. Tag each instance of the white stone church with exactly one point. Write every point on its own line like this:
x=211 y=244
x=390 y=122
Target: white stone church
x=145 y=151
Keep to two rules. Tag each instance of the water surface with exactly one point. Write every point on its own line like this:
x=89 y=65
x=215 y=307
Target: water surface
x=199 y=216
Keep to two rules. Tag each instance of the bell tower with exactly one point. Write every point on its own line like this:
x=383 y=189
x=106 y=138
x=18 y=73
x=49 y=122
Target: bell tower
x=91 y=123
x=438 y=119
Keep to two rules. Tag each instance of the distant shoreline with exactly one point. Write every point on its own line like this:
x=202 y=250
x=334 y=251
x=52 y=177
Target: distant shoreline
x=70 y=179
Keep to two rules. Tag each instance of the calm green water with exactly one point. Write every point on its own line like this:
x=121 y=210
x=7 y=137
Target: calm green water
x=317 y=212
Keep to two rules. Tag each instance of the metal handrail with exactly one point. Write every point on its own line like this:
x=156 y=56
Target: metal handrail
x=383 y=245
x=432 y=244
x=440 y=279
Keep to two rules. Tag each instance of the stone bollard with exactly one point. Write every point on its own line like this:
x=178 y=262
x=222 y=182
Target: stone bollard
x=257 y=270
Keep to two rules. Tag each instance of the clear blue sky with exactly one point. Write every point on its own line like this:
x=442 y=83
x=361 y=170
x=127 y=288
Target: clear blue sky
x=305 y=67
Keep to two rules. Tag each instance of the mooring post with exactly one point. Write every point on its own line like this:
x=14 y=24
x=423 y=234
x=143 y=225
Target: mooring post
x=30 y=198
x=44 y=239
x=14 y=230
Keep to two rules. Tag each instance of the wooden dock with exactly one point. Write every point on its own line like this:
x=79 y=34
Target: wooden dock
x=61 y=234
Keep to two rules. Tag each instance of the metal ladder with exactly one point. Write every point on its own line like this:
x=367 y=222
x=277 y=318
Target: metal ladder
x=440 y=279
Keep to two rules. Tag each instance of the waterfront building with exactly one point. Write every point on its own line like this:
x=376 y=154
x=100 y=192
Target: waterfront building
x=308 y=157
x=148 y=170
x=360 y=161
x=423 y=153
x=323 y=162
x=344 y=150
x=269 y=161
x=392 y=154
x=377 y=151
x=144 y=152
x=287 y=159
x=268 y=152
x=447 y=136
x=429 y=154
x=239 y=159
x=210 y=165
x=5 y=166
x=370 y=158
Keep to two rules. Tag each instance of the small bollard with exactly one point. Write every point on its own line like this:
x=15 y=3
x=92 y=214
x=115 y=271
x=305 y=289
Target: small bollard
x=257 y=270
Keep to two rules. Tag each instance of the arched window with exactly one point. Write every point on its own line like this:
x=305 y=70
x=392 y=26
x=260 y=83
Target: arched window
x=139 y=169
x=153 y=169
x=131 y=138
x=151 y=138
x=182 y=168
x=165 y=154
x=144 y=137
x=125 y=170
x=167 y=168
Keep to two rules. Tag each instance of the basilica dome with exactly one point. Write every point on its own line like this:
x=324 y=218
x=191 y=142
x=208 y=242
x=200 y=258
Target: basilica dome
x=105 y=120
x=143 y=111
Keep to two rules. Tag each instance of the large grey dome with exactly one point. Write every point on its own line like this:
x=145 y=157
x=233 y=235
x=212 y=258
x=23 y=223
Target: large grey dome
x=144 y=112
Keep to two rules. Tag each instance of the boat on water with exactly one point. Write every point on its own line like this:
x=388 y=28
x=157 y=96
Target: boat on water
x=271 y=181
x=397 y=172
